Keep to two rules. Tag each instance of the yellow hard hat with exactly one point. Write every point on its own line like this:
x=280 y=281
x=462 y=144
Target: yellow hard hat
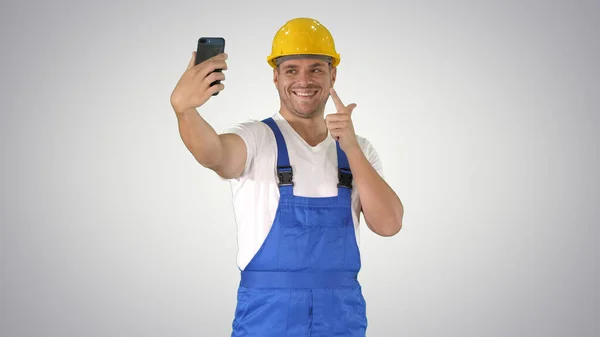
x=302 y=36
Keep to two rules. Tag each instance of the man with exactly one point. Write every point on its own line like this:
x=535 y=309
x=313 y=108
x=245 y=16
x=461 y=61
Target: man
x=296 y=178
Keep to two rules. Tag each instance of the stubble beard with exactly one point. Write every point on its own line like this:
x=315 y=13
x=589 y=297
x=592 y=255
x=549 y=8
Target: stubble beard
x=295 y=108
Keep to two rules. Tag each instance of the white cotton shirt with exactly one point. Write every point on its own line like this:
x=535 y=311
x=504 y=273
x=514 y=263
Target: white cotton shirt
x=255 y=194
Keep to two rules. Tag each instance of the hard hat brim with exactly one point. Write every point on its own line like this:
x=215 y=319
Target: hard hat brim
x=272 y=59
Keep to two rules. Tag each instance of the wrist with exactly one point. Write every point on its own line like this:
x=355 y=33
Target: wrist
x=354 y=151
x=185 y=112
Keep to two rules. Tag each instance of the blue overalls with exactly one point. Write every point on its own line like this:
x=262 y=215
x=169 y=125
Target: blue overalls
x=303 y=279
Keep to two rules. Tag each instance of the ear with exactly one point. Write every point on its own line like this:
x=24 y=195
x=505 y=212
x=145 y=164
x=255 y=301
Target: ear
x=333 y=75
x=275 y=75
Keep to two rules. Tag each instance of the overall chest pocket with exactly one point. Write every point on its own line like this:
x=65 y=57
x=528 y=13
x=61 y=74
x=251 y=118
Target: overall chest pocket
x=315 y=216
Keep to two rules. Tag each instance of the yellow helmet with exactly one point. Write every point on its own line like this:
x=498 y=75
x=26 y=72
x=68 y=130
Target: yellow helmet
x=302 y=36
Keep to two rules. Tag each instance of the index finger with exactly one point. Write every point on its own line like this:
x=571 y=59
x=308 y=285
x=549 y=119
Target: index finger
x=336 y=100
x=216 y=58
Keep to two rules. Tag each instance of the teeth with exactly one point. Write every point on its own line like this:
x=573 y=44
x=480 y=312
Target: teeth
x=304 y=94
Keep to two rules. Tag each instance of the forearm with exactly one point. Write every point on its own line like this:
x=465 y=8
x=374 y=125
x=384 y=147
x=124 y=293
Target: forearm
x=200 y=138
x=382 y=208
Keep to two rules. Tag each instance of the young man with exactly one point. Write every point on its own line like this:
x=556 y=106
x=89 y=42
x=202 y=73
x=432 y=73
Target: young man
x=299 y=181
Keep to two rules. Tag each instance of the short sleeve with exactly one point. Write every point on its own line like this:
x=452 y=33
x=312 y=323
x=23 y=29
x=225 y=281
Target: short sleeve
x=252 y=133
x=372 y=156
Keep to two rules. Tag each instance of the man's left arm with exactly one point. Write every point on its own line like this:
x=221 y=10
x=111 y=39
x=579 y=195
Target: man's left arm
x=381 y=206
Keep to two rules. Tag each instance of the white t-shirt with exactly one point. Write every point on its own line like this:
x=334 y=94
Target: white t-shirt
x=256 y=193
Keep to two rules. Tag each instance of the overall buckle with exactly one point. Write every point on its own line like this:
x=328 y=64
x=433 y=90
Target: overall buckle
x=345 y=178
x=286 y=175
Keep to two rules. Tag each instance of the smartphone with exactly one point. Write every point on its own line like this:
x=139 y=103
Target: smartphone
x=207 y=48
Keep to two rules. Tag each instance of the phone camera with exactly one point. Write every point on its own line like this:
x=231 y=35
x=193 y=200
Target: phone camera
x=202 y=40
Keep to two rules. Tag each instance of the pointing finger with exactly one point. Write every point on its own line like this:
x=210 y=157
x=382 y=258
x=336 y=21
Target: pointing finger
x=336 y=100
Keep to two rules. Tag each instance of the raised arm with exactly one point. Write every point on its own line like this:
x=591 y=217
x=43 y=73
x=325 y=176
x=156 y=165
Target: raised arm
x=382 y=208
x=225 y=154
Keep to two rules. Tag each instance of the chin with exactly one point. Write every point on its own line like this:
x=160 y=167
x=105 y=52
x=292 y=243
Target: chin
x=305 y=109
x=304 y=113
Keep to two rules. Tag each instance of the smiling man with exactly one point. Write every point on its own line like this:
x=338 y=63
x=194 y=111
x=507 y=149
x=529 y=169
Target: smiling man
x=300 y=181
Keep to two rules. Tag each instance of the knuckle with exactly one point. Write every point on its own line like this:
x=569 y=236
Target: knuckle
x=214 y=76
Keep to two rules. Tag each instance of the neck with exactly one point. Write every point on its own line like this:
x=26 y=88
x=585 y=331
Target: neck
x=312 y=129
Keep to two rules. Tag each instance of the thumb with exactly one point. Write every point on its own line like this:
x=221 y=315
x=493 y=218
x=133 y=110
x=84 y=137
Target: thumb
x=350 y=108
x=192 y=61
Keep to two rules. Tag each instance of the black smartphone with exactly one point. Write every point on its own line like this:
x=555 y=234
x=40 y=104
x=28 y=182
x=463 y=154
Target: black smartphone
x=207 y=48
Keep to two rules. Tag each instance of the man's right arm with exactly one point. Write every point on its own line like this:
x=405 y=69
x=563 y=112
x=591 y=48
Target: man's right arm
x=225 y=154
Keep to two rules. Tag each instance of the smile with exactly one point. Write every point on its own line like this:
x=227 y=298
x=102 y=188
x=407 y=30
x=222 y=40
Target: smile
x=304 y=93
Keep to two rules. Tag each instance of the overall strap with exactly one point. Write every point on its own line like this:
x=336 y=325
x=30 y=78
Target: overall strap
x=284 y=169
x=285 y=173
x=344 y=172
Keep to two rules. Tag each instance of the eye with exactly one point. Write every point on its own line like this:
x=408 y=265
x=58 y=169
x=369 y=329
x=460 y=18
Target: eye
x=290 y=71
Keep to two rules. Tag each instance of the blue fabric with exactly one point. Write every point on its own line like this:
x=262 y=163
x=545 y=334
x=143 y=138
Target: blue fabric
x=303 y=280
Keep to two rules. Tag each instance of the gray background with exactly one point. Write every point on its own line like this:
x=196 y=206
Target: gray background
x=485 y=115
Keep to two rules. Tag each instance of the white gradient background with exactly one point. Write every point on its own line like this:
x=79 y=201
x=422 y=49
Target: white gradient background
x=485 y=115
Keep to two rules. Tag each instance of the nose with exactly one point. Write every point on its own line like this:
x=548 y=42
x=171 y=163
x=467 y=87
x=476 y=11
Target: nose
x=304 y=78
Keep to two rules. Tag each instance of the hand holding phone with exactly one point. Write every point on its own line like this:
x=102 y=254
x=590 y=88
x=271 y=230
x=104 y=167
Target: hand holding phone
x=203 y=76
x=209 y=47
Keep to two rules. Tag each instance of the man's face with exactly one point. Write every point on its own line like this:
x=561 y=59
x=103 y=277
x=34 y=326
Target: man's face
x=303 y=85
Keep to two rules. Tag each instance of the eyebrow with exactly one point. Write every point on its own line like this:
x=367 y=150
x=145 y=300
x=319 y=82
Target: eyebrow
x=314 y=65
